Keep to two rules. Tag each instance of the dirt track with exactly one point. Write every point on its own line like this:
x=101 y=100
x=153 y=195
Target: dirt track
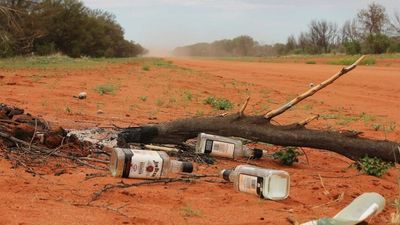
x=361 y=100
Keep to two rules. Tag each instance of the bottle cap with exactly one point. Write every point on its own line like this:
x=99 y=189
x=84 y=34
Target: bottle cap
x=257 y=153
x=225 y=174
x=187 y=167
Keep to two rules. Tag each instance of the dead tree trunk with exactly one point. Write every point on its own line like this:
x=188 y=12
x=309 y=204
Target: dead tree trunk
x=259 y=128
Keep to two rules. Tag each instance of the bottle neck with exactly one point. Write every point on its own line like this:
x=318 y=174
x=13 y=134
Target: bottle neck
x=254 y=153
x=226 y=175
x=176 y=166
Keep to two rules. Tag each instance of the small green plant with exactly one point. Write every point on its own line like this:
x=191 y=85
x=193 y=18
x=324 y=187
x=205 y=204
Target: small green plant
x=367 y=117
x=308 y=107
x=376 y=126
x=199 y=113
x=190 y=212
x=146 y=67
x=163 y=63
x=159 y=102
x=143 y=98
x=218 y=103
x=373 y=166
x=187 y=95
x=287 y=155
x=106 y=89
x=68 y=110
x=311 y=62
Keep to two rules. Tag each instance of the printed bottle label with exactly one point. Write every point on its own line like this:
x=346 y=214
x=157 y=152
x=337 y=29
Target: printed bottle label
x=250 y=184
x=218 y=148
x=146 y=164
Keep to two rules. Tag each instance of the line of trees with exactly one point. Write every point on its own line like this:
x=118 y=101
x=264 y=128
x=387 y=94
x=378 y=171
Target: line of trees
x=45 y=27
x=371 y=31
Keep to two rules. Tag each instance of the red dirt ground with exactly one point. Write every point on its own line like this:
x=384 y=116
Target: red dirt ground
x=365 y=99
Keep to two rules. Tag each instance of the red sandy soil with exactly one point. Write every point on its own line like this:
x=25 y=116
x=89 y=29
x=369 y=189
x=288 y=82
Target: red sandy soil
x=50 y=199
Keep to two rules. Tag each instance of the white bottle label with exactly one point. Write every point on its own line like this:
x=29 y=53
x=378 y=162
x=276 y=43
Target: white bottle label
x=218 y=148
x=249 y=184
x=146 y=164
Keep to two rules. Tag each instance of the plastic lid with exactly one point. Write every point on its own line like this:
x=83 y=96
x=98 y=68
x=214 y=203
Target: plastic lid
x=225 y=174
x=187 y=167
x=257 y=153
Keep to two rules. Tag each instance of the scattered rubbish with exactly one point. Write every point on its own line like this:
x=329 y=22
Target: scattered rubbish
x=225 y=147
x=82 y=95
x=266 y=183
x=99 y=137
x=145 y=164
x=360 y=209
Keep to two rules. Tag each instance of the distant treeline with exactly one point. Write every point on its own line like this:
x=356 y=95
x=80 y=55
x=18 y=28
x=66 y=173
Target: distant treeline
x=44 y=27
x=371 y=31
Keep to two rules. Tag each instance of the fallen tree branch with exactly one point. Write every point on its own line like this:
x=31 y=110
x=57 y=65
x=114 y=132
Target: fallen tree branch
x=255 y=128
x=312 y=91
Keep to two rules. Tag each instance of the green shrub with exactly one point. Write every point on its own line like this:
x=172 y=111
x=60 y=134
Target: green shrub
x=376 y=44
x=106 y=89
x=373 y=166
x=143 y=98
x=311 y=62
x=146 y=67
x=287 y=155
x=350 y=60
x=352 y=47
x=218 y=103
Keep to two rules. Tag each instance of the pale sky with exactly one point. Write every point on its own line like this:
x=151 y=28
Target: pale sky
x=162 y=25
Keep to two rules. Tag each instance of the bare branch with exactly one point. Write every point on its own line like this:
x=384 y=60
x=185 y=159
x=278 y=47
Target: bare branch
x=311 y=91
x=241 y=112
x=308 y=120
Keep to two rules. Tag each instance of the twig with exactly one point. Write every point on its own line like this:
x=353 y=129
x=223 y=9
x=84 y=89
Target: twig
x=241 y=112
x=9 y=121
x=160 y=148
x=94 y=175
x=34 y=135
x=293 y=220
x=308 y=120
x=186 y=178
x=305 y=154
x=95 y=160
x=338 y=199
x=48 y=151
x=326 y=192
x=311 y=91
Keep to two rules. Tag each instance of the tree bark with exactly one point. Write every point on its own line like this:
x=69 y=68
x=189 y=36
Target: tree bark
x=257 y=128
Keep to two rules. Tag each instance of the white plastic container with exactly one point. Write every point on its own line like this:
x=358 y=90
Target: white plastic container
x=144 y=164
x=225 y=147
x=265 y=183
x=360 y=209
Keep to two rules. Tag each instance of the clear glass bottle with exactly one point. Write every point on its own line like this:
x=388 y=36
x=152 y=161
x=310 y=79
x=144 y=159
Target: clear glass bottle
x=225 y=147
x=265 y=183
x=360 y=209
x=144 y=164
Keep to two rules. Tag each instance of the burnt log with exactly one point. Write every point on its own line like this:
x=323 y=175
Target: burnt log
x=256 y=128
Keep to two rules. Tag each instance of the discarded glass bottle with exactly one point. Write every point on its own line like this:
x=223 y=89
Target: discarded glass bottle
x=360 y=209
x=225 y=147
x=265 y=183
x=144 y=164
